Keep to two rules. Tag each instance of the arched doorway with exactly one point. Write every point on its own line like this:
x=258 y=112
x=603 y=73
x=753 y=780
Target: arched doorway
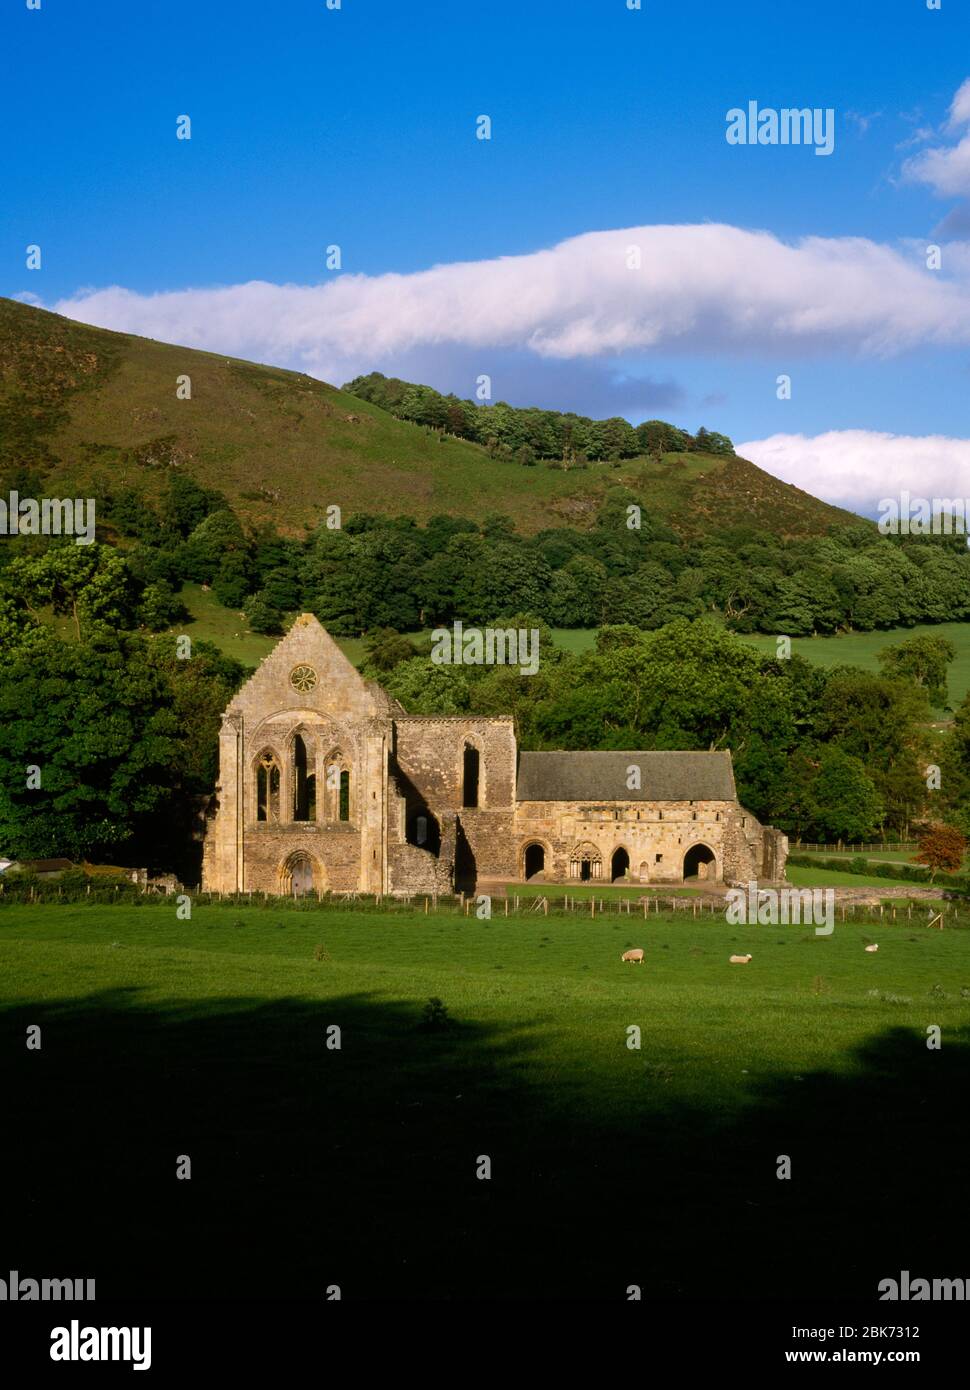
x=619 y=864
x=586 y=863
x=699 y=862
x=466 y=870
x=298 y=876
x=535 y=860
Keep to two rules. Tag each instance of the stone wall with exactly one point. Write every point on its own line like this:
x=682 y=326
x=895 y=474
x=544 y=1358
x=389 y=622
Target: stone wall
x=656 y=838
x=333 y=852
x=428 y=770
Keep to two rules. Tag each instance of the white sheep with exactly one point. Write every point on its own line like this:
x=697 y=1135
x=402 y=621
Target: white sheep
x=874 y=947
x=740 y=960
x=633 y=956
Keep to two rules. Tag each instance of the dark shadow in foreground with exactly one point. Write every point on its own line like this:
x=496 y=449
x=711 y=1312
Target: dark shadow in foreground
x=313 y=1167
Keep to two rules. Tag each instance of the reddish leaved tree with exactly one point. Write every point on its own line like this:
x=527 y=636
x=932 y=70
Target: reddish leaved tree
x=941 y=847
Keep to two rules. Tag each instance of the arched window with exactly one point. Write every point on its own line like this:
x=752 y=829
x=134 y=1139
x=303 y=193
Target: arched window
x=337 y=802
x=267 y=787
x=304 y=784
x=469 y=781
x=423 y=830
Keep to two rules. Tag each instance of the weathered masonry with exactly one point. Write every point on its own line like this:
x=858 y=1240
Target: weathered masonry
x=326 y=784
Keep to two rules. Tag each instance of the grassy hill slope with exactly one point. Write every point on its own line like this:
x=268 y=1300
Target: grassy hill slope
x=93 y=409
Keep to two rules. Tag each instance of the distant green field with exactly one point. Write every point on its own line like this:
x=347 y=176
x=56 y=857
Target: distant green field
x=862 y=649
x=231 y=633
x=831 y=878
x=228 y=629
x=610 y=1163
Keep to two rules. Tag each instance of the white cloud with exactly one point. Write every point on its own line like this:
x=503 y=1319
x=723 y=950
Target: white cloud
x=863 y=120
x=960 y=107
x=855 y=468
x=946 y=169
x=710 y=288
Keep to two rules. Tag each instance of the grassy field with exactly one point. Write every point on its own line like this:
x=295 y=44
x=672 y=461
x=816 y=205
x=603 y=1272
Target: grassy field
x=862 y=649
x=609 y=1165
x=803 y=877
x=229 y=630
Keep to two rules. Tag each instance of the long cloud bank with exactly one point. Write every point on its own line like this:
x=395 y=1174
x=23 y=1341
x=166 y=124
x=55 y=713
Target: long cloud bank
x=707 y=288
x=856 y=468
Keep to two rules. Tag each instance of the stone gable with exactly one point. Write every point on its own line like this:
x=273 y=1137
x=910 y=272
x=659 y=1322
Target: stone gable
x=338 y=689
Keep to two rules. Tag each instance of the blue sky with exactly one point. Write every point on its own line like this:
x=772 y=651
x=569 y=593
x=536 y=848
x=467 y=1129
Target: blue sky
x=357 y=127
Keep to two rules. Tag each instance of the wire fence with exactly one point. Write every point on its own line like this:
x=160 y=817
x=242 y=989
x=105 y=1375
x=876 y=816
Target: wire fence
x=942 y=909
x=840 y=848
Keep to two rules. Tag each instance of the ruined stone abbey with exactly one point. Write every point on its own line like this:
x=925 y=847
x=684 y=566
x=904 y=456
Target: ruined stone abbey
x=326 y=784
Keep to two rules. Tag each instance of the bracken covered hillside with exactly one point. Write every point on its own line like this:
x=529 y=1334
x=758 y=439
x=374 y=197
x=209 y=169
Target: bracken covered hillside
x=92 y=410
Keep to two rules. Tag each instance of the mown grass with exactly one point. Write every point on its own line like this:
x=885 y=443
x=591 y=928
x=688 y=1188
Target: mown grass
x=357 y=1166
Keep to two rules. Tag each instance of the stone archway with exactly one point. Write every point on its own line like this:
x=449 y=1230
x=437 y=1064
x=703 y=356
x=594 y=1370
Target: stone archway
x=700 y=862
x=297 y=876
x=534 y=861
x=466 y=868
x=586 y=863
x=619 y=864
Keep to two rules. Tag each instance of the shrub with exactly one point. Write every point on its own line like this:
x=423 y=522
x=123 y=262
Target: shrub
x=435 y=1018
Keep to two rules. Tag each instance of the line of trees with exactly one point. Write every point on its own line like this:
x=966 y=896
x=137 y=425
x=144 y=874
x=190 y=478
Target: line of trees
x=124 y=730
x=379 y=571
x=528 y=434
x=839 y=754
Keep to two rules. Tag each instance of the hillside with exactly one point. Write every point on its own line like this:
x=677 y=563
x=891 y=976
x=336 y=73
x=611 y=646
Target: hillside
x=93 y=410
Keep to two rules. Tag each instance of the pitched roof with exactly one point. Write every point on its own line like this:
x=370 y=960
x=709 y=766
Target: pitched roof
x=603 y=777
x=45 y=866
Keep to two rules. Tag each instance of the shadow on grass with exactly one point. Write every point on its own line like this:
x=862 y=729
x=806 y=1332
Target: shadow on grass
x=357 y=1167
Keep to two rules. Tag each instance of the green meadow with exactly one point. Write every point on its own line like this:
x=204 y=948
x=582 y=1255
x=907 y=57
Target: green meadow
x=610 y=1165
x=229 y=630
x=863 y=648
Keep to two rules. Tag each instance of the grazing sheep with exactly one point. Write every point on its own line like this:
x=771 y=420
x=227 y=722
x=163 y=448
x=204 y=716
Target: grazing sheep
x=740 y=960
x=636 y=956
x=874 y=947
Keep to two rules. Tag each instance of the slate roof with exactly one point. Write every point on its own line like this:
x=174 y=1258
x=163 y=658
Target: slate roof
x=44 y=866
x=590 y=777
